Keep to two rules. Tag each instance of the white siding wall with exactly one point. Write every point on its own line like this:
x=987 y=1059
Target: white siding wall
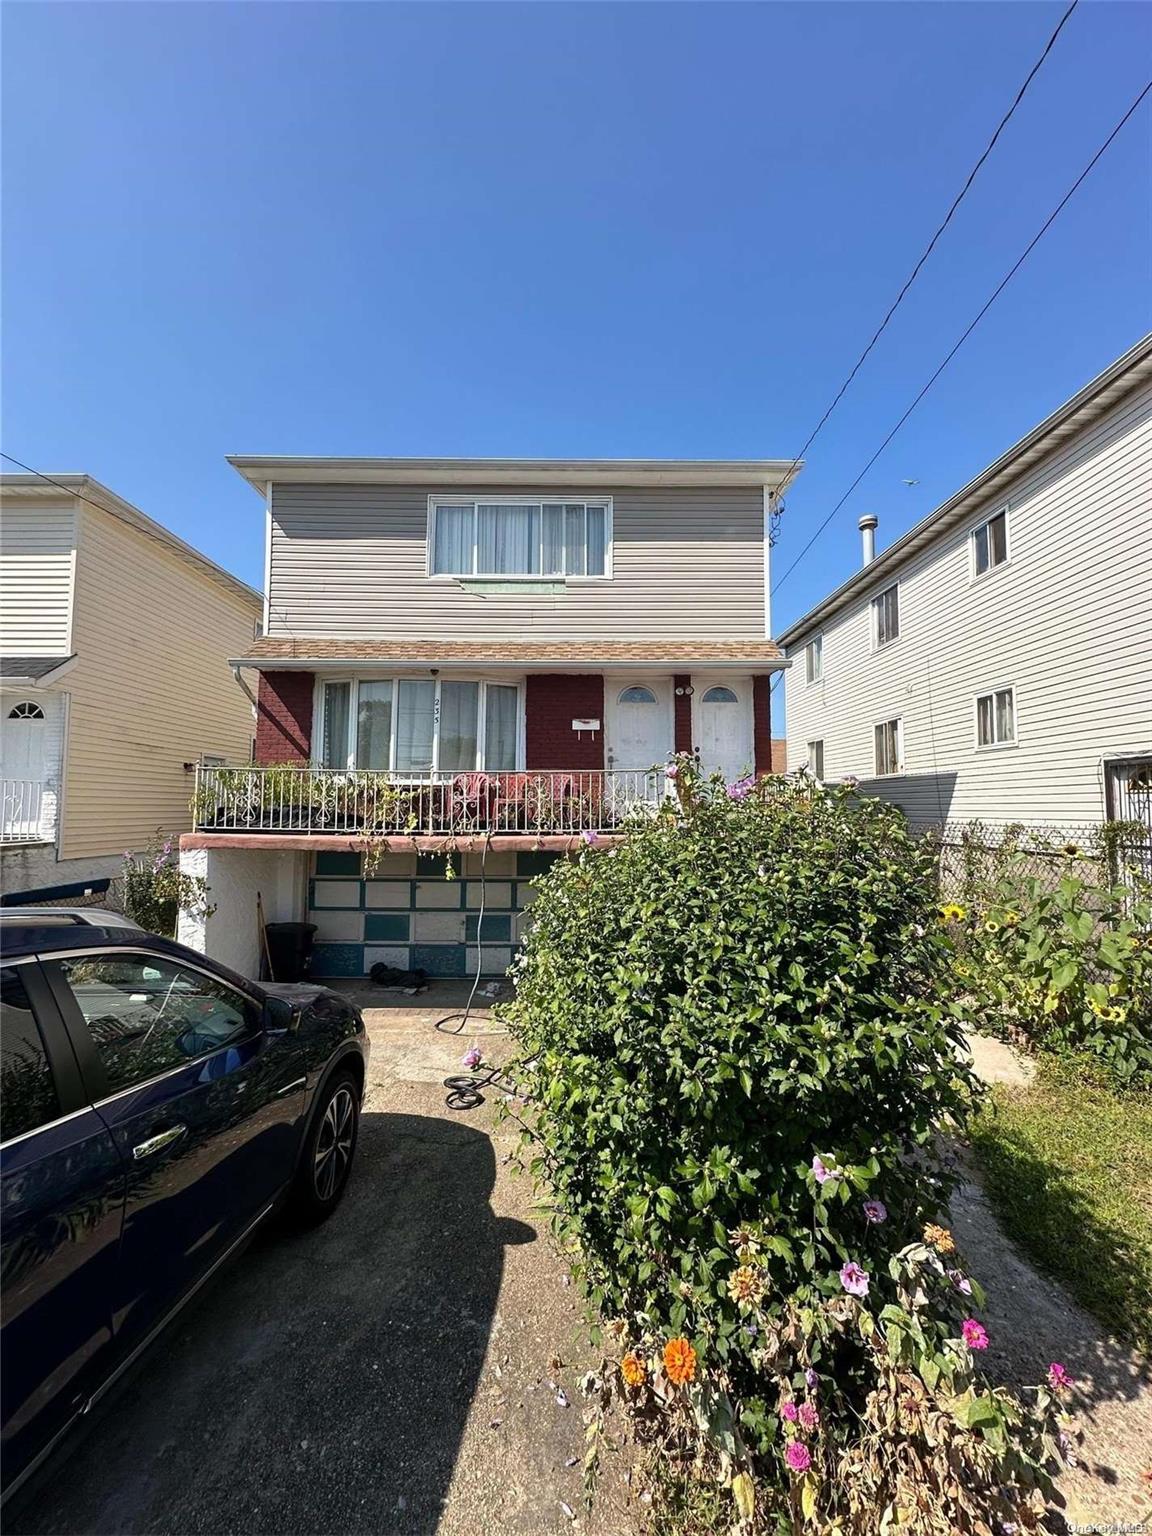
x=37 y=542
x=688 y=563
x=1067 y=623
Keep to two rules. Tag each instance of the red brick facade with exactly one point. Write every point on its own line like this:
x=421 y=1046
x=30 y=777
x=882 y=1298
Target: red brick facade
x=762 y=724
x=552 y=701
x=284 y=717
x=682 y=714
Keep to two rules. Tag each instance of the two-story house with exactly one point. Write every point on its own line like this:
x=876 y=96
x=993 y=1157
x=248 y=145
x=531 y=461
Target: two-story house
x=114 y=641
x=996 y=662
x=487 y=656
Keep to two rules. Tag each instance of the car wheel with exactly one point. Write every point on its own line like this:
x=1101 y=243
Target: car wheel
x=329 y=1147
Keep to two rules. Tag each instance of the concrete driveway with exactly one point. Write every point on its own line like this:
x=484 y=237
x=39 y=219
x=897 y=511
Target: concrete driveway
x=388 y=1373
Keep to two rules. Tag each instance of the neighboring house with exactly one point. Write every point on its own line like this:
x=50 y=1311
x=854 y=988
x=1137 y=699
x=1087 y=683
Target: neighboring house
x=491 y=656
x=114 y=640
x=996 y=662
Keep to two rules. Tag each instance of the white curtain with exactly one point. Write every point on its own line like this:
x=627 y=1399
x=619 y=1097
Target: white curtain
x=415 y=725
x=501 y=718
x=336 y=710
x=459 y=703
x=453 y=551
x=374 y=725
x=597 y=540
x=508 y=540
x=553 y=561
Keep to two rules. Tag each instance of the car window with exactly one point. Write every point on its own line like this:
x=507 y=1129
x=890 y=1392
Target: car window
x=147 y=1015
x=27 y=1092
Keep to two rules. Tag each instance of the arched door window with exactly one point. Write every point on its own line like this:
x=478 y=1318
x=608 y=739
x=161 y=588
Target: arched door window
x=637 y=695
x=26 y=711
x=720 y=696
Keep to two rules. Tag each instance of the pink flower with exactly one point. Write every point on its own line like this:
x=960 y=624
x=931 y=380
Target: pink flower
x=473 y=1057
x=789 y=1412
x=1058 y=1378
x=823 y=1173
x=797 y=1457
x=809 y=1418
x=590 y=837
x=960 y=1281
x=875 y=1210
x=973 y=1334
x=854 y=1279
x=671 y=771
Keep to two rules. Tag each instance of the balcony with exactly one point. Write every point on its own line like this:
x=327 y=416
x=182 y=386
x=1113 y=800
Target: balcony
x=366 y=803
x=24 y=815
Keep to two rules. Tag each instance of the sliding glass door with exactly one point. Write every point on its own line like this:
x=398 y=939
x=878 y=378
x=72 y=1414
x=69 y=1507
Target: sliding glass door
x=420 y=725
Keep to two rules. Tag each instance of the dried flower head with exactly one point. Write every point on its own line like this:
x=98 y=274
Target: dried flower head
x=939 y=1238
x=746 y=1285
x=633 y=1369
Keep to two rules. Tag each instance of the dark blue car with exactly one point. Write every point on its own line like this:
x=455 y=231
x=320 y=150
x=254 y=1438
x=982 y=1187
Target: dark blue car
x=154 y=1109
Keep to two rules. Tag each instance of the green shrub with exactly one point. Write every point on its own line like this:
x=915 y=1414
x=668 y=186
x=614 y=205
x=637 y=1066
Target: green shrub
x=155 y=891
x=1067 y=967
x=737 y=1060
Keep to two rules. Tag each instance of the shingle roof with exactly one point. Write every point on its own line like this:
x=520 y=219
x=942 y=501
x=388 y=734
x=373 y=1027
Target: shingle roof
x=30 y=666
x=525 y=652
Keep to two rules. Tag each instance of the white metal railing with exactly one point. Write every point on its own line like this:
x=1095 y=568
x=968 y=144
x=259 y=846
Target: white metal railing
x=21 y=820
x=367 y=802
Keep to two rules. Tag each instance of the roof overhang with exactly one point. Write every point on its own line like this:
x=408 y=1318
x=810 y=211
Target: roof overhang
x=365 y=665
x=1085 y=407
x=773 y=475
x=40 y=678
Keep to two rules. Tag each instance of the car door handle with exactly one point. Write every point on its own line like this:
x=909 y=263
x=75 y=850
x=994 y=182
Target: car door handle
x=157 y=1143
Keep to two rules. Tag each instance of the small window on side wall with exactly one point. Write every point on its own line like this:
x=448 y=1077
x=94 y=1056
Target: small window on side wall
x=996 y=718
x=990 y=543
x=816 y=759
x=814 y=660
x=889 y=747
x=886 y=616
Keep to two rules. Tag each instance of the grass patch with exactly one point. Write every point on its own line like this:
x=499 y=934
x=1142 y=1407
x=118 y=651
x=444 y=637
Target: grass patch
x=1067 y=1165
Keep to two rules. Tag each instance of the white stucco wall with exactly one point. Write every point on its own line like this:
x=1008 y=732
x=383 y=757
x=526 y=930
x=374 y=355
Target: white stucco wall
x=231 y=933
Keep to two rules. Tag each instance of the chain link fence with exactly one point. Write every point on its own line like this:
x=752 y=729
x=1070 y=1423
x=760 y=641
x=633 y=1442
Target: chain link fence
x=107 y=894
x=973 y=856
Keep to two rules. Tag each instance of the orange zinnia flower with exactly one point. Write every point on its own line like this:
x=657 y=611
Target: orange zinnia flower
x=632 y=1369
x=679 y=1361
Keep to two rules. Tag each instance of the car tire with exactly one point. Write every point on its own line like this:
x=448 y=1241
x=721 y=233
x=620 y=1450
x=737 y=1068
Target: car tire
x=327 y=1154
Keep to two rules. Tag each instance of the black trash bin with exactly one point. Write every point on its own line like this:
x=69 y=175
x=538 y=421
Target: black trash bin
x=290 y=949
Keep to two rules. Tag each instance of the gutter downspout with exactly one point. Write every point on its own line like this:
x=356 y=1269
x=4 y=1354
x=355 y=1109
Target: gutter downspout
x=243 y=686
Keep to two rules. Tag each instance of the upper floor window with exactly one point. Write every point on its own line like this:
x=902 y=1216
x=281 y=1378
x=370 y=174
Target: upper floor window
x=990 y=543
x=515 y=537
x=417 y=725
x=996 y=718
x=814 y=659
x=886 y=616
x=889 y=746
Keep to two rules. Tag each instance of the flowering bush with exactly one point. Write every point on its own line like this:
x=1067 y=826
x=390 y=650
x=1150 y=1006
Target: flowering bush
x=1067 y=967
x=737 y=1060
x=155 y=890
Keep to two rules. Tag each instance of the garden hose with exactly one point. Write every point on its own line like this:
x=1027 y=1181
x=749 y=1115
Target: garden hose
x=465 y=1092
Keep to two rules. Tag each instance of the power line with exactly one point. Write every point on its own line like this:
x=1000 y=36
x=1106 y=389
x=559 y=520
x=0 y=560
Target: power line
x=928 y=249
x=1028 y=249
x=69 y=490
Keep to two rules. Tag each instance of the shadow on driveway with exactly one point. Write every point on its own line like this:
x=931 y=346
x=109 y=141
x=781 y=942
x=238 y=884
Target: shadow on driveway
x=322 y=1382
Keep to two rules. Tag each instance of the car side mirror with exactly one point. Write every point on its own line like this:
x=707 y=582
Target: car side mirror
x=279 y=1014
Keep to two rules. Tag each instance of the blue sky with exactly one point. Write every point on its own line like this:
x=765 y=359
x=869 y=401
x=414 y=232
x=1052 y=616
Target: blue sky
x=555 y=229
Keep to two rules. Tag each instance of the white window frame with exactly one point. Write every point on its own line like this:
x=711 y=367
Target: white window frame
x=898 y=722
x=814 y=649
x=818 y=742
x=877 y=643
x=477 y=499
x=974 y=573
x=417 y=775
x=990 y=693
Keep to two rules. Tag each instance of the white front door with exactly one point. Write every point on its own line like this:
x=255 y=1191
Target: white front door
x=722 y=725
x=22 y=753
x=639 y=734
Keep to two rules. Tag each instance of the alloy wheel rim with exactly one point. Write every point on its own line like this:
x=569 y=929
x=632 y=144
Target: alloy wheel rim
x=334 y=1144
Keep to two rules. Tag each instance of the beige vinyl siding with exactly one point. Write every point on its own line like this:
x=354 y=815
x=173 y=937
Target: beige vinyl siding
x=1067 y=623
x=36 y=563
x=352 y=560
x=150 y=689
